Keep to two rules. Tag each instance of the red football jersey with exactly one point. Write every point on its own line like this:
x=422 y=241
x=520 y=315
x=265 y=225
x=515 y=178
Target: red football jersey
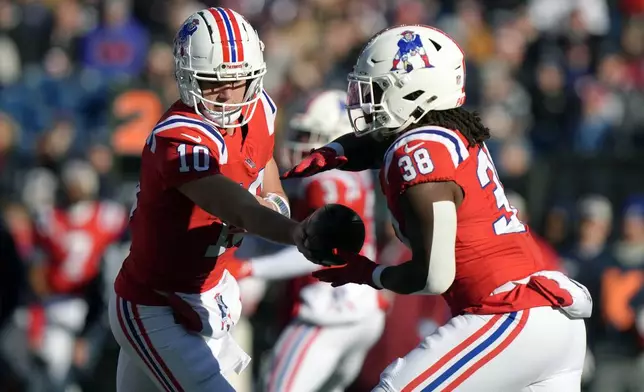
x=493 y=246
x=177 y=246
x=73 y=241
x=352 y=189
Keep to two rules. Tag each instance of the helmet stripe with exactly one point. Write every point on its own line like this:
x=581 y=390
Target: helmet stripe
x=230 y=35
x=238 y=41
x=222 y=34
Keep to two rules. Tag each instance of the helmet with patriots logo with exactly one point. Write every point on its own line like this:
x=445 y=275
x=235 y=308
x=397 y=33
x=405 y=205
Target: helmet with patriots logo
x=323 y=120
x=402 y=73
x=219 y=45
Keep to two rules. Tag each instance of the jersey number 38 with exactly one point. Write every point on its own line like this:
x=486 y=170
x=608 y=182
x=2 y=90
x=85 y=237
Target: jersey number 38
x=419 y=162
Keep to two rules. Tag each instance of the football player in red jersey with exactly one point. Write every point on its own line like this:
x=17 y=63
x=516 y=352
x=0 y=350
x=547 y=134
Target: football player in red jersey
x=70 y=242
x=331 y=329
x=207 y=174
x=516 y=326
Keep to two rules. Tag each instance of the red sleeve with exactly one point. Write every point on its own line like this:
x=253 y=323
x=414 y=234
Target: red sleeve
x=183 y=159
x=417 y=162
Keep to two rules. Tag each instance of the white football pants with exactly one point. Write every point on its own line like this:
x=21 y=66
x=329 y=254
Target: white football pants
x=535 y=350
x=310 y=358
x=158 y=354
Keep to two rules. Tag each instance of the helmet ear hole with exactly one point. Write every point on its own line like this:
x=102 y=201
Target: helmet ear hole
x=413 y=96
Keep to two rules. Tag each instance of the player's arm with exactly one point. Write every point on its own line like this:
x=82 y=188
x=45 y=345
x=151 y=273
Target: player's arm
x=430 y=215
x=225 y=199
x=429 y=210
x=423 y=174
x=363 y=153
x=272 y=191
x=194 y=169
x=37 y=259
x=285 y=264
x=348 y=152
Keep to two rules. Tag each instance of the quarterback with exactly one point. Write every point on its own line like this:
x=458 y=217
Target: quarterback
x=516 y=326
x=207 y=175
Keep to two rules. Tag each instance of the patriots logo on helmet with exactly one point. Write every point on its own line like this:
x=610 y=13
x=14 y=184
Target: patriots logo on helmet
x=409 y=46
x=186 y=31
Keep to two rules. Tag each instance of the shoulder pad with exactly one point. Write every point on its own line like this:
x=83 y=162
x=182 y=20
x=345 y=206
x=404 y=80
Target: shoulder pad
x=195 y=132
x=446 y=148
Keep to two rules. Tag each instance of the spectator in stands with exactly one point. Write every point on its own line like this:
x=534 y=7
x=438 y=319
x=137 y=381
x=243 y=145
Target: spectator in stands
x=118 y=47
x=11 y=160
x=10 y=65
x=555 y=109
x=617 y=348
x=590 y=255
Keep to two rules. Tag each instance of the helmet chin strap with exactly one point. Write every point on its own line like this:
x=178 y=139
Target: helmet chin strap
x=415 y=116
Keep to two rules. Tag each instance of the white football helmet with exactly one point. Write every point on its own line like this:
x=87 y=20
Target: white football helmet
x=324 y=119
x=218 y=44
x=400 y=75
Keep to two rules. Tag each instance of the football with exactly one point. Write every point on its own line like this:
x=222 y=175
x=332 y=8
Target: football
x=334 y=226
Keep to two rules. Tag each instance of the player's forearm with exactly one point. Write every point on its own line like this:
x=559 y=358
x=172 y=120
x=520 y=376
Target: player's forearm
x=363 y=153
x=272 y=183
x=260 y=220
x=267 y=223
x=285 y=264
x=272 y=194
x=432 y=235
x=404 y=278
x=225 y=199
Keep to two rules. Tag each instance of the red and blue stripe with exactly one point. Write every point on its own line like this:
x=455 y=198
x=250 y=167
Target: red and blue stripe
x=136 y=334
x=502 y=329
x=290 y=355
x=230 y=33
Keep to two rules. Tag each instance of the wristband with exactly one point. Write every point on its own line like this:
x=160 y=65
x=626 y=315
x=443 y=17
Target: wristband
x=280 y=203
x=376 y=274
x=337 y=147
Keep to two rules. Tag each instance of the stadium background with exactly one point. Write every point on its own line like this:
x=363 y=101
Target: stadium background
x=560 y=84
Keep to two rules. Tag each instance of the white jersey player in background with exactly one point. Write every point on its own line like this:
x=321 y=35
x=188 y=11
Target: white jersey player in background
x=332 y=329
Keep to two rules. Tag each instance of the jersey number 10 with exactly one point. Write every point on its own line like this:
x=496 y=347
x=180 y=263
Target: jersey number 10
x=200 y=158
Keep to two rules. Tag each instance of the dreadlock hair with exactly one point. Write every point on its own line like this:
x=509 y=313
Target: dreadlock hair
x=468 y=123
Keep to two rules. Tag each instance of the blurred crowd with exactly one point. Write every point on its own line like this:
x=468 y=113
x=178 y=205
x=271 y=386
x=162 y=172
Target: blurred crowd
x=82 y=83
